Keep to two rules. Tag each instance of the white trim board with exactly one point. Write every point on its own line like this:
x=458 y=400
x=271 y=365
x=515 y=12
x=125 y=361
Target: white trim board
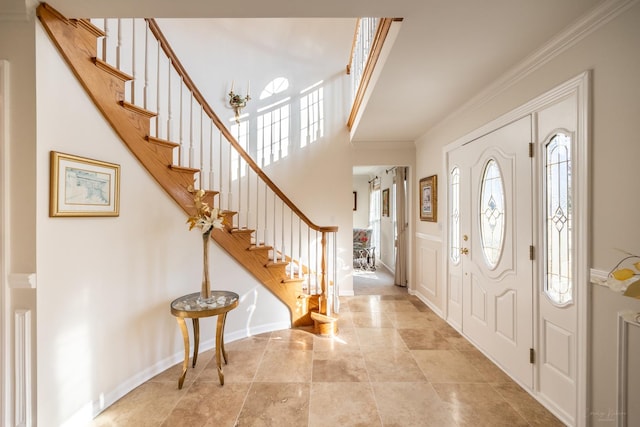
x=6 y=401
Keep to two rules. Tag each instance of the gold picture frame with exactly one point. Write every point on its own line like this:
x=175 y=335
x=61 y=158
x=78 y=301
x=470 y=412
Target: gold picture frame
x=385 y=202
x=83 y=187
x=429 y=198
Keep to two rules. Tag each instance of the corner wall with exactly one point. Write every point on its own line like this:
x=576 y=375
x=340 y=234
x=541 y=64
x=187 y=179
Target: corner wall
x=613 y=55
x=17 y=46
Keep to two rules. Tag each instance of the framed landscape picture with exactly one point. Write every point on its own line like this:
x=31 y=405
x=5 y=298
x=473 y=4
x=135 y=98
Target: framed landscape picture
x=429 y=198
x=83 y=187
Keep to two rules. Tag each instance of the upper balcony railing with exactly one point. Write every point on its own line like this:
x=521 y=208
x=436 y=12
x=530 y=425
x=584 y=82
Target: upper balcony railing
x=367 y=45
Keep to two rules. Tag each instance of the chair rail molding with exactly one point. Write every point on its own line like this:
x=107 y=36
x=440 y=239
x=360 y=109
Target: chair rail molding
x=22 y=281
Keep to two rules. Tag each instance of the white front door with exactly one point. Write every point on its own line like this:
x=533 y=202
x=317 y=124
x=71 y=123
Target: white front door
x=510 y=201
x=495 y=271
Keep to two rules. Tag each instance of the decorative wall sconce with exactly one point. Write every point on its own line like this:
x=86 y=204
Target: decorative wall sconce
x=237 y=102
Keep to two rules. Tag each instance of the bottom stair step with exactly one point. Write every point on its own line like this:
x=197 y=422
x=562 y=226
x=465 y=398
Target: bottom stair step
x=326 y=326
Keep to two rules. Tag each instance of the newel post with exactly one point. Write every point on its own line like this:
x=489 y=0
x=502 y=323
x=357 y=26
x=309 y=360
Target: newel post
x=323 y=275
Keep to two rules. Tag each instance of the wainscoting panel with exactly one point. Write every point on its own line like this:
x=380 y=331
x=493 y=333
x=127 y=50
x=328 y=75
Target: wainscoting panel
x=22 y=368
x=628 y=413
x=429 y=286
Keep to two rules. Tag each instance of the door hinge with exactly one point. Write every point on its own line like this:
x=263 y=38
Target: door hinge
x=532 y=356
x=531 y=149
x=531 y=253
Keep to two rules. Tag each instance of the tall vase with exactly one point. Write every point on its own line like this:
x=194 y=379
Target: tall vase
x=205 y=290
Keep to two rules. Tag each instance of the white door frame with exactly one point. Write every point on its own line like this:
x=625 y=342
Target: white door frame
x=6 y=401
x=579 y=86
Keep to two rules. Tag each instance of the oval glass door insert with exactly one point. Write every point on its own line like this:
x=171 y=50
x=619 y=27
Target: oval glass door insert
x=492 y=213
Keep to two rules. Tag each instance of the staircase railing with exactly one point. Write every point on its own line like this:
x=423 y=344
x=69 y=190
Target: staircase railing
x=183 y=117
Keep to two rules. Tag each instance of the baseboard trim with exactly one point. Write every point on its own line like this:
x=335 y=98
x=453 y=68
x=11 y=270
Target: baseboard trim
x=93 y=408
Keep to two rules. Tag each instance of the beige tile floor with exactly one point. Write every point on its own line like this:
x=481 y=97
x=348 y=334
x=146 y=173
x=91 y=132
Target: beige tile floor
x=394 y=363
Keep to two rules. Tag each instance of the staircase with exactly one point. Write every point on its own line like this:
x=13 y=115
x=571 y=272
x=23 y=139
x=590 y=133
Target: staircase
x=154 y=116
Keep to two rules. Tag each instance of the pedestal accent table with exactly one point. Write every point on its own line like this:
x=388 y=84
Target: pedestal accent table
x=189 y=307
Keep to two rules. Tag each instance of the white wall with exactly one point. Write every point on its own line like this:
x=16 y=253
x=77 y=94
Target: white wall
x=105 y=284
x=361 y=214
x=612 y=53
x=17 y=46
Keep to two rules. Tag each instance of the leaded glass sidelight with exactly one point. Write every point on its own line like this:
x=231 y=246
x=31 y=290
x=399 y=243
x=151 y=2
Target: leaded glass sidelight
x=558 y=216
x=492 y=213
x=454 y=228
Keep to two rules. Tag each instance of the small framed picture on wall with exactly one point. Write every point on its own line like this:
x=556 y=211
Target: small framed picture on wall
x=429 y=198
x=385 y=202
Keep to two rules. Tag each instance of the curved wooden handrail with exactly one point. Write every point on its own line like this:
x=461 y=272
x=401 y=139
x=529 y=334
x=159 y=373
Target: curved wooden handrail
x=376 y=48
x=155 y=30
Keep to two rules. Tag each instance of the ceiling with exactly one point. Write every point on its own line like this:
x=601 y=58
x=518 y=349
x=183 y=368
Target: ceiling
x=446 y=51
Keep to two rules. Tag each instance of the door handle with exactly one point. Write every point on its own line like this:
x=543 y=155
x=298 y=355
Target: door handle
x=464 y=251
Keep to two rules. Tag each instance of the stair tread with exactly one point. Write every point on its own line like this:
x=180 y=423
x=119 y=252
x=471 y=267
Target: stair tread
x=112 y=70
x=260 y=248
x=160 y=141
x=131 y=107
x=277 y=264
x=241 y=230
x=184 y=169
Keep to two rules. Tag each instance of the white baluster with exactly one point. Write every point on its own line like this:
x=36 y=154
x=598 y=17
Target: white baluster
x=229 y=195
x=180 y=124
x=220 y=188
x=169 y=106
x=211 y=167
x=299 y=247
x=133 y=61
x=191 y=149
x=146 y=67
x=158 y=103
x=200 y=176
x=291 y=242
x=119 y=44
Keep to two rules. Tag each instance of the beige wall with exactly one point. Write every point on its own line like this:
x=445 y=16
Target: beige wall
x=17 y=46
x=360 y=184
x=613 y=54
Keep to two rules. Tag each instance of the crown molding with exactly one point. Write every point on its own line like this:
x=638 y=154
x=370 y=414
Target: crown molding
x=583 y=27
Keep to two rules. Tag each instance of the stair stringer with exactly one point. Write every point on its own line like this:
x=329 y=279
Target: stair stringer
x=76 y=40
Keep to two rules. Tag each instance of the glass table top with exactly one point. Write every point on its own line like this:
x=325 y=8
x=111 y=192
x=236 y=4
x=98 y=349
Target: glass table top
x=193 y=302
